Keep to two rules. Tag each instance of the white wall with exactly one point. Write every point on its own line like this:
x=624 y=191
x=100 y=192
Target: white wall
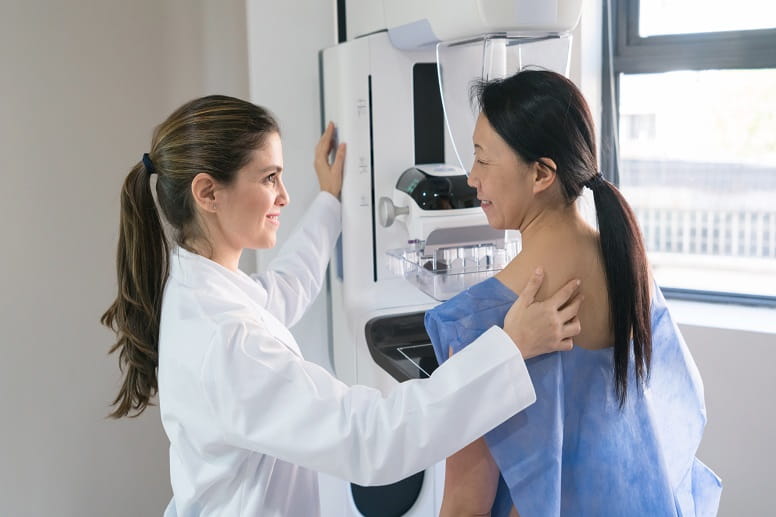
x=82 y=83
x=739 y=445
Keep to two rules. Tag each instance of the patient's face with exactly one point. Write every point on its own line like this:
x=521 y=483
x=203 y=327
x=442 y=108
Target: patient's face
x=502 y=179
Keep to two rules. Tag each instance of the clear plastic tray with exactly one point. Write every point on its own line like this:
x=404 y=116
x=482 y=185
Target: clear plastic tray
x=446 y=271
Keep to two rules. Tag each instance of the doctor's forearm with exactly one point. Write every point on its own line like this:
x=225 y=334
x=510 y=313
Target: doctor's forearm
x=422 y=422
x=268 y=399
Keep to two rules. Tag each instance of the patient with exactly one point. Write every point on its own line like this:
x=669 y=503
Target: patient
x=618 y=419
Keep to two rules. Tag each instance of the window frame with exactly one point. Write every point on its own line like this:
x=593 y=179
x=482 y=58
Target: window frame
x=625 y=51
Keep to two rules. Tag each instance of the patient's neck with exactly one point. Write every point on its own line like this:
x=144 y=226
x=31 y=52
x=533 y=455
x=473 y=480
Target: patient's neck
x=552 y=226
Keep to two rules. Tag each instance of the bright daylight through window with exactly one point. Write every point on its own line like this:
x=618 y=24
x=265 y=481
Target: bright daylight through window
x=698 y=165
x=697 y=144
x=659 y=17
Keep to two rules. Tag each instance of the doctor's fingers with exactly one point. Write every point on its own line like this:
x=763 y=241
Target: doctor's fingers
x=564 y=294
x=332 y=181
x=324 y=143
x=528 y=294
x=566 y=345
x=324 y=146
x=330 y=176
x=571 y=328
x=571 y=309
x=339 y=159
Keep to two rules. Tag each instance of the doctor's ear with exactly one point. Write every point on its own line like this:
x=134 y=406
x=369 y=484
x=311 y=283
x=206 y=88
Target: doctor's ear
x=203 y=190
x=545 y=173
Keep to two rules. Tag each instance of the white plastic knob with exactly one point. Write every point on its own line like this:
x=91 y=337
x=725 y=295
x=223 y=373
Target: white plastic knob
x=387 y=211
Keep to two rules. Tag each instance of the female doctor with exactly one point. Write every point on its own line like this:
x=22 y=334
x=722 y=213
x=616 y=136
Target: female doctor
x=248 y=419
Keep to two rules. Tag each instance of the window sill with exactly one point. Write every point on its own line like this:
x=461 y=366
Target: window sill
x=723 y=316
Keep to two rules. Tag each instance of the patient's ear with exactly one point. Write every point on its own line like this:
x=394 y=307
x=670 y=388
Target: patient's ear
x=545 y=173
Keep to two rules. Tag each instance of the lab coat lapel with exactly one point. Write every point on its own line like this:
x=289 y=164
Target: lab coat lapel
x=280 y=332
x=257 y=297
x=199 y=273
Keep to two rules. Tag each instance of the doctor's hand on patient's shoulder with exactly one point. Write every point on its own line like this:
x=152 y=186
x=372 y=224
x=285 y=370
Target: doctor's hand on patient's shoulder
x=329 y=171
x=542 y=327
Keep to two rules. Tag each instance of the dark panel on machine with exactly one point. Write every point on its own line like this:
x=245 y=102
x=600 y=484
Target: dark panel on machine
x=401 y=346
x=428 y=115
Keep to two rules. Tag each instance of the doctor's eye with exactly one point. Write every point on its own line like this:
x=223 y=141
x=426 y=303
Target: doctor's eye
x=271 y=178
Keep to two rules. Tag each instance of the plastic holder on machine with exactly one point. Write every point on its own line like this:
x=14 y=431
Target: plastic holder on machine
x=443 y=272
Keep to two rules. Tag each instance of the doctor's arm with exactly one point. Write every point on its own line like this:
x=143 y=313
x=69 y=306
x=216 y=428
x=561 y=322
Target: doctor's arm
x=295 y=277
x=267 y=399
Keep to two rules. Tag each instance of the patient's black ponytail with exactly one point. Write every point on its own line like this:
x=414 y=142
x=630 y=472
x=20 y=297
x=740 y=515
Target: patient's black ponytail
x=627 y=278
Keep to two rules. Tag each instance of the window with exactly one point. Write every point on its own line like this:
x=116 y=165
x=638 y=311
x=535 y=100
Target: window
x=689 y=132
x=660 y=17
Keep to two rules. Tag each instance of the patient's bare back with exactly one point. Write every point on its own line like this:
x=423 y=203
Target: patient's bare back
x=569 y=253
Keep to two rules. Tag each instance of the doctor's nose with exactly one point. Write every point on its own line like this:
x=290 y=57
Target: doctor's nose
x=283 y=198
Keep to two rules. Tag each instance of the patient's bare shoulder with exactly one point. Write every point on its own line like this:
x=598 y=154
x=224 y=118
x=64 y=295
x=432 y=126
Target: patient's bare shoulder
x=578 y=258
x=557 y=271
x=516 y=274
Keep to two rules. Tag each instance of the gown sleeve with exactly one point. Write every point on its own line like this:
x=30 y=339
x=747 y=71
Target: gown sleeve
x=295 y=276
x=269 y=400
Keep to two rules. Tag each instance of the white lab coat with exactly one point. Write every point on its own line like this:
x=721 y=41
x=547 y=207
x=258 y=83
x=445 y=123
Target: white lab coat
x=250 y=421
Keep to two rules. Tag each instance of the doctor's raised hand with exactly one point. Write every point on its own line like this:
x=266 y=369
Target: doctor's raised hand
x=249 y=420
x=329 y=172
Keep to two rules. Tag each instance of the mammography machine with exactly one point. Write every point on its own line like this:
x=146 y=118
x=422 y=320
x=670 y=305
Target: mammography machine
x=413 y=233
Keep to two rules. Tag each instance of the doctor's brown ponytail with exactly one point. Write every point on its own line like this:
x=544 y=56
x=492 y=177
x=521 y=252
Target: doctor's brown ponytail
x=142 y=263
x=216 y=135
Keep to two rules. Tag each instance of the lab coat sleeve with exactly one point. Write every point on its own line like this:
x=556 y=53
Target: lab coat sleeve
x=295 y=276
x=269 y=400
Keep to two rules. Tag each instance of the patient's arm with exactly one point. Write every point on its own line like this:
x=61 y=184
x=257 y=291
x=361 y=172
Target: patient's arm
x=471 y=480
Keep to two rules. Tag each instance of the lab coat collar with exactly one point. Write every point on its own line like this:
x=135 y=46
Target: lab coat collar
x=200 y=273
x=197 y=272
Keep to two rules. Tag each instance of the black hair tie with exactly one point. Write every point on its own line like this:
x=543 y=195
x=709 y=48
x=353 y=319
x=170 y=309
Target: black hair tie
x=595 y=181
x=149 y=165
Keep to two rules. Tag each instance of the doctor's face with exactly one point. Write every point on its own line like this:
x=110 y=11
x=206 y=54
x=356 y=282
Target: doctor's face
x=502 y=179
x=249 y=208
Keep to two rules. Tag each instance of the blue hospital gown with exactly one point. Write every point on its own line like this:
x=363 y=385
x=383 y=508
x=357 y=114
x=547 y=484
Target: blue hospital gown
x=575 y=452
